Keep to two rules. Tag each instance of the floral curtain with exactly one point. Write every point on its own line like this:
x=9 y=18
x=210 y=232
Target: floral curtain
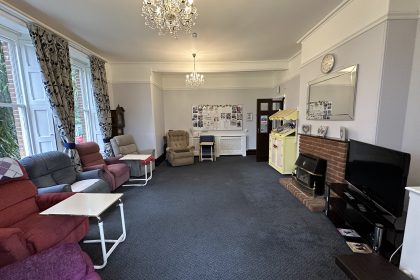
x=53 y=56
x=103 y=109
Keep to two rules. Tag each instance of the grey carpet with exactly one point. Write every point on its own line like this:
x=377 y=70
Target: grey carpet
x=228 y=219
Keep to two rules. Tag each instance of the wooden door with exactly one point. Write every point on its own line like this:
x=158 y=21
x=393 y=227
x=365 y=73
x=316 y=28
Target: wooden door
x=265 y=108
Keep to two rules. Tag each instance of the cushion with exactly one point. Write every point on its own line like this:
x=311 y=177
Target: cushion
x=10 y=168
x=118 y=169
x=41 y=231
x=89 y=153
x=83 y=184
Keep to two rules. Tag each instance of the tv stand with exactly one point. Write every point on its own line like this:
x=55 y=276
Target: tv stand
x=347 y=208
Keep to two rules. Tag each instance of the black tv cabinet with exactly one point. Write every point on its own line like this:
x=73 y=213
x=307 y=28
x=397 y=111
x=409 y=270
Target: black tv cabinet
x=346 y=208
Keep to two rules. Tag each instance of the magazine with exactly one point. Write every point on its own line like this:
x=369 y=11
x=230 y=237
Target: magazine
x=346 y=232
x=357 y=247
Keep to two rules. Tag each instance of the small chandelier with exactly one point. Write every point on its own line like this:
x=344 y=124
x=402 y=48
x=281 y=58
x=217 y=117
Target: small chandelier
x=169 y=16
x=194 y=79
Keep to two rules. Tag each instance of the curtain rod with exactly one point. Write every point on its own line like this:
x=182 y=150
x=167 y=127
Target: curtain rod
x=26 y=18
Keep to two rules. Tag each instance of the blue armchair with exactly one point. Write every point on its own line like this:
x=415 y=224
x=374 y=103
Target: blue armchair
x=54 y=172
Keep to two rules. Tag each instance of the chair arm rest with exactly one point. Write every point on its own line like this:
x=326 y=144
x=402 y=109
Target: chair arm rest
x=12 y=246
x=92 y=174
x=55 y=189
x=168 y=149
x=94 y=167
x=191 y=147
x=45 y=201
x=113 y=160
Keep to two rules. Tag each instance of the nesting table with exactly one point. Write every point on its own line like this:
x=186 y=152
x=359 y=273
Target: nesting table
x=92 y=205
x=143 y=159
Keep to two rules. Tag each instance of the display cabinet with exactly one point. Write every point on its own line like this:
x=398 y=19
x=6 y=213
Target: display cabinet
x=282 y=145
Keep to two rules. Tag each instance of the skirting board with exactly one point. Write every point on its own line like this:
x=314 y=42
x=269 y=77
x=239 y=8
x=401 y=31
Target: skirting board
x=314 y=204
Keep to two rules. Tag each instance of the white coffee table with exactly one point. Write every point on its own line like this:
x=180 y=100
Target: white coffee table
x=143 y=159
x=92 y=205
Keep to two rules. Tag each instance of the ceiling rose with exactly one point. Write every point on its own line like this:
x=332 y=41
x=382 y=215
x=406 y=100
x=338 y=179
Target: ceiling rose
x=169 y=16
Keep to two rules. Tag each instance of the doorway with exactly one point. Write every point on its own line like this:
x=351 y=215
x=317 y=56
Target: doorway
x=265 y=108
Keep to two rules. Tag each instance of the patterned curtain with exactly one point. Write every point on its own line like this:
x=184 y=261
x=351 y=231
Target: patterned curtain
x=103 y=109
x=53 y=56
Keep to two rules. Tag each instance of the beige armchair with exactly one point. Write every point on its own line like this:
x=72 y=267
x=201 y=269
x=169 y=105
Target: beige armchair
x=178 y=150
x=123 y=145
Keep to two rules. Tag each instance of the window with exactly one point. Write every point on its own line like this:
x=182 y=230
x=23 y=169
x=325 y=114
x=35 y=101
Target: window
x=14 y=141
x=85 y=117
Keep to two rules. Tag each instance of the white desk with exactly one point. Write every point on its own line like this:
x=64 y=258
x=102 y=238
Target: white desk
x=92 y=205
x=142 y=159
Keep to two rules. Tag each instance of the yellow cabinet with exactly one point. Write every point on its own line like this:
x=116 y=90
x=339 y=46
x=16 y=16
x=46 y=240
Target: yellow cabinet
x=282 y=152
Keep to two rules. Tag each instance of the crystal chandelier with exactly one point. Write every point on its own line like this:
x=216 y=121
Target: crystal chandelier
x=194 y=79
x=169 y=16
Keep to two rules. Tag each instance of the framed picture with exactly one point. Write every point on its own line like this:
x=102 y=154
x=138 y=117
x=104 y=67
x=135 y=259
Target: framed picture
x=306 y=129
x=322 y=130
x=249 y=117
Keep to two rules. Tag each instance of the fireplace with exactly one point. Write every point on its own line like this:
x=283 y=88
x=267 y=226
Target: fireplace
x=310 y=173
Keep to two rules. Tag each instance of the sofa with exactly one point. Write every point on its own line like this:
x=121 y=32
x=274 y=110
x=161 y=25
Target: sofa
x=64 y=261
x=23 y=231
x=116 y=172
x=124 y=145
x=179 y=151
x=54 y=172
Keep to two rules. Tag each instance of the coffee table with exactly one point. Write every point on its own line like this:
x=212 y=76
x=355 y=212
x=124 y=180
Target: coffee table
x=143 y=159
x=92 y=205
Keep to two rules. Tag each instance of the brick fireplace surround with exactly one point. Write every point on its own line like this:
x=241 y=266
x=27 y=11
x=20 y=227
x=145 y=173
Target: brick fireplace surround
x=334 y=151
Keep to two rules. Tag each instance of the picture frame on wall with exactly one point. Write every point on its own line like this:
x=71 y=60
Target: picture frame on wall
x=249 y=117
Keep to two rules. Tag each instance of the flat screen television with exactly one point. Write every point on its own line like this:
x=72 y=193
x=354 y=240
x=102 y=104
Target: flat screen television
x=379 y=173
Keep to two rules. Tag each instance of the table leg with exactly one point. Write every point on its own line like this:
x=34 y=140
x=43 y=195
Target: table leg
x=103 y=241
x=145 y=179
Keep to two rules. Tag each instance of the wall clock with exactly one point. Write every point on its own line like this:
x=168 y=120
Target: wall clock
x=327 y=63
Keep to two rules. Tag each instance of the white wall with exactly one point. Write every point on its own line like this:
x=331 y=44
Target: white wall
x=158 y=117
x=136 y=100
x=178 y=105
x=411 y=136
x=366 y=50
x=290 y=90
x=397 y=65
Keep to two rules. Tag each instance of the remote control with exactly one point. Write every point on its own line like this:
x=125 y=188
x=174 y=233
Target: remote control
x=349 y=195
x=361 y=207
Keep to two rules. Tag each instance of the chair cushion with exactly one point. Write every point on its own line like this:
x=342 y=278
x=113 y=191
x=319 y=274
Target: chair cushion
x=81 y=185
x=118 y=169
x=89 y=153
x=17 y=200
x=49 y=169
x=43 y=231
x=178 y=139
x=182 y=154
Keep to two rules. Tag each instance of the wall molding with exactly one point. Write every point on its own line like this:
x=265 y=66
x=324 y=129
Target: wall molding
x=192 y=90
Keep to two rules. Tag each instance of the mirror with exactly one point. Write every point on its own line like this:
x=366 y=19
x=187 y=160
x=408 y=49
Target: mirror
x=332 y=96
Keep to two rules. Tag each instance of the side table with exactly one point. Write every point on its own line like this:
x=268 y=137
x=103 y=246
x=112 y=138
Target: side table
x=143 y=159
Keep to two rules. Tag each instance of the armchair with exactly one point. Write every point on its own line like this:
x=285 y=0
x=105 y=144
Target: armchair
x=54 y=172
x=178 y=150
x=65 y=261
x=23 y=231
x=124 y=145
x=115 y=171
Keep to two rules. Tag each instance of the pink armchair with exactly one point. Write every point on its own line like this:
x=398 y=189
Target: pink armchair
x=116 y=172
x=23 y=231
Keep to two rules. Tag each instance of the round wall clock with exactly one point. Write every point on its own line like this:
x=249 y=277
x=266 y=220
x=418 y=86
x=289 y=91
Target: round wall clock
x=327 y=63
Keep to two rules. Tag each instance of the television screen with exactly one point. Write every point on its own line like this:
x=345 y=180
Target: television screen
x=379 y=173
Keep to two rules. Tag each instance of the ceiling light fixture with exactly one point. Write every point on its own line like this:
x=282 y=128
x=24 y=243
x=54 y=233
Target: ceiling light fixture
x=169 y=16
x=194 y=79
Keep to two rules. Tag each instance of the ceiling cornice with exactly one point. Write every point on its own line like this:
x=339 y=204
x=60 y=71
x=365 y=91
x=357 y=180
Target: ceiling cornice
x=210 y=67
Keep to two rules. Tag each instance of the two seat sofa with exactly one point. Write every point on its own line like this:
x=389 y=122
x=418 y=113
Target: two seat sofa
x=54 y=172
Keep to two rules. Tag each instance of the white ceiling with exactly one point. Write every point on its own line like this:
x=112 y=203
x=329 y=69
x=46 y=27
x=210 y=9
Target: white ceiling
x=234 y=30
